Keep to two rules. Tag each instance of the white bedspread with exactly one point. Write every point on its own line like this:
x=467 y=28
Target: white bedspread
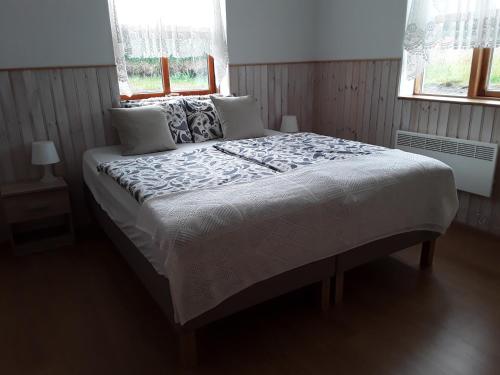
x=219 y=241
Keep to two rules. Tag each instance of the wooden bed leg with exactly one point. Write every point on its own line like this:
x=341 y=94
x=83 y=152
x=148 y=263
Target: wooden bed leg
x=339 y=286
x=187 y=349
x=325 y=295
x=427 y=255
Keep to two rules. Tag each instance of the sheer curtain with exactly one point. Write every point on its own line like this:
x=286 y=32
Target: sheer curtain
x=449 y=24
x=178 y=28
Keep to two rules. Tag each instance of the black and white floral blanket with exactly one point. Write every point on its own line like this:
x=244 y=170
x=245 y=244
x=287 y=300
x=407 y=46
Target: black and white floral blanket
x=285 y=152
x=228 y=162
x=203 y=168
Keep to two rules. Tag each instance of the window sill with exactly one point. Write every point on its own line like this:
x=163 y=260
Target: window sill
x=451 y=99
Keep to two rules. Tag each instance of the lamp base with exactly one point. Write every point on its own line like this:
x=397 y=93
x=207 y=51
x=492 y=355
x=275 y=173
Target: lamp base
x=48 y=176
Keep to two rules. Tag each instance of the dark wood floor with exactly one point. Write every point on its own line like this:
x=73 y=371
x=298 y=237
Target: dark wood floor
x=82 y=311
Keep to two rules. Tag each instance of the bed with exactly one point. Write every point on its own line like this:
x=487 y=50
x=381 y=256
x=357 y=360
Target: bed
x=301 y=222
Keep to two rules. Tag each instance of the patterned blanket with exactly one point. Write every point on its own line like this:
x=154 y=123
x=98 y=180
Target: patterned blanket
x=285 y=152
x=202 y=168
x=228 y=162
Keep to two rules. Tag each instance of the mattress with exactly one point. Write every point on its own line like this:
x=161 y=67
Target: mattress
x=117 y=202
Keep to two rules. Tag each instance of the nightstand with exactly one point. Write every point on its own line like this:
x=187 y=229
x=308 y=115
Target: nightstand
x=38 y=215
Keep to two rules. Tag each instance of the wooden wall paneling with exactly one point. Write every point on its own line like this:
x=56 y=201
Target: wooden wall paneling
x=271 y=79
x=11 y=146
x=325 y=98
x=345 y=103
x=320 y=92
x=233 y=80
x=6 y=163
x=308 y=96
x=299 y=100
x=73 y=112
x=336 y=73
x=480 y=206
x=291 y=83
x=406 y=115
x=494 y=219
x=360 y=94
x=34 y=107
x=390 y=103
x=81 y=133
x=264 y=91
x=49 y=116
x=242 y=80
x=284 y=89
x=396 y=120
x=444 y=111
x=256 y=86
x=110 y=135
x=277 y=95
x=340 y=98
x=249 y=71
x=433 y=118
x=453 y=119
x=114 y=87
x=24 y=122
x=294 y=87
x=299 y=80
x=83 y=102
x=370 y=73
x=476 y=122
x=382 y=100
x=353 y=105
x=96 y=112
x=372 y=134
x=414 y=116
x=64 y=126
x=329 y=99
x=463 y=133
x=423 y=117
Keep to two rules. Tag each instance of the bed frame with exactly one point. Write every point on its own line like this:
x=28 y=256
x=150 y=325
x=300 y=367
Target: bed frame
x=320 y=272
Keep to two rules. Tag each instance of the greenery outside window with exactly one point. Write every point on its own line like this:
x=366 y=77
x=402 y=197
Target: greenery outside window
x=151 y=77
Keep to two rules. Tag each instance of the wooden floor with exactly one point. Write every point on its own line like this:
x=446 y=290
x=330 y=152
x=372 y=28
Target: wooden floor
x=82 y=311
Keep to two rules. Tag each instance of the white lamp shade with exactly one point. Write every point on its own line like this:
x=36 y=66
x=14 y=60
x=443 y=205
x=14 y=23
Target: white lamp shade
x=289 y=124
x=44 y=153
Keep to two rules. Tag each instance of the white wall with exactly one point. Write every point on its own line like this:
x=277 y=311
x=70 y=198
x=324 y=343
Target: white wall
x=360 y=29
x=262 y=31
x=38 y=33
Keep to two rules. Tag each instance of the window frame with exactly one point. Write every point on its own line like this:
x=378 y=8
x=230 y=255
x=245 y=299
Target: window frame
x=165 y=68
x=478 y=81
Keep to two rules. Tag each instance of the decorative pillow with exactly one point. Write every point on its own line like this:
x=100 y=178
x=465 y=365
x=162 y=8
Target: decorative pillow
x=142 y=130
x=239 y=116
x=202 y=119
x=176 y=116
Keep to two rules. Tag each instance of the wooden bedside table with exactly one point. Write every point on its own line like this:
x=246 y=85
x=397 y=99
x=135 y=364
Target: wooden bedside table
x=38 y=215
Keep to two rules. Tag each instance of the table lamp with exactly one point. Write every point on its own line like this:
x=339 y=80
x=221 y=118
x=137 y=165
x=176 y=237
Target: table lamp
x=289 y=124
x=44 y=153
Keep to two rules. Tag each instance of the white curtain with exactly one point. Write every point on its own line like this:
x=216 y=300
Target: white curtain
x=449 y=24
x=172 y=28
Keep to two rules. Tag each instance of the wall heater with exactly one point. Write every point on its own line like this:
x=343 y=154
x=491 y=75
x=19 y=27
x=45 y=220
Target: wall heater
x=473 y=162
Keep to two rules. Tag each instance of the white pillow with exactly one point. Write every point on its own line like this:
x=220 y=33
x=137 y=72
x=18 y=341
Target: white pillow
x=239 y=117
x=142 y=130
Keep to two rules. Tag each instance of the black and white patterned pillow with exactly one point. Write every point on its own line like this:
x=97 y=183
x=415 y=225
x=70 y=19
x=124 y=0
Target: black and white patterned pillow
x=202 y=119
x=176 y=116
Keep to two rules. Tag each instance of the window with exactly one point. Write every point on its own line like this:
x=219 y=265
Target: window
x=168 y=46
x=452 y=48
x=150 y=77
x=473 y=73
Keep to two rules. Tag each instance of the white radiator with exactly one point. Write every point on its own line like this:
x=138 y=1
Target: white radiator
x=473 y=162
